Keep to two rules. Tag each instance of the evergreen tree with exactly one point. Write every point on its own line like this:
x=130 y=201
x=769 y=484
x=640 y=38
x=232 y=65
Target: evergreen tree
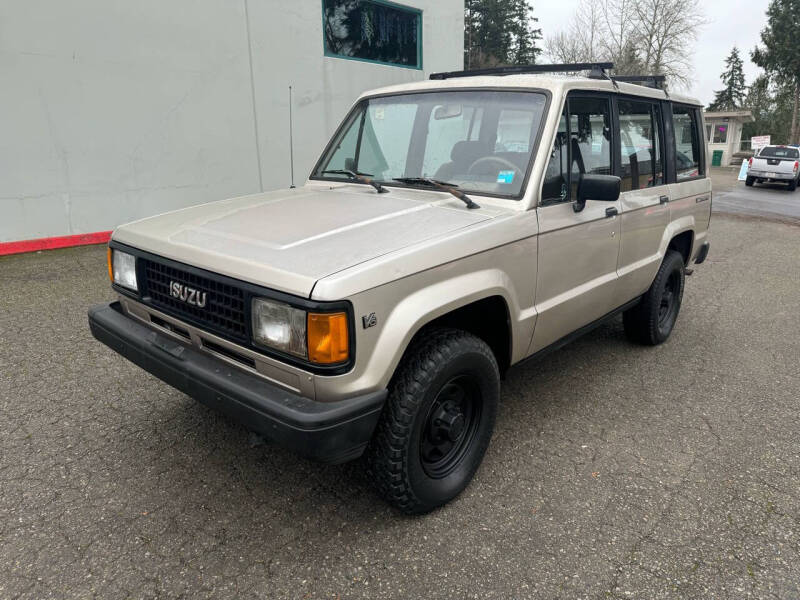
x=526 y=34
x=499 y=32
x=732 y=96
x=779 y=54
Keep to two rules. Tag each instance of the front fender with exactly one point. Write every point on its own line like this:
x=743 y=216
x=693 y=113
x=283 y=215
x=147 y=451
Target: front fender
x=418 y=309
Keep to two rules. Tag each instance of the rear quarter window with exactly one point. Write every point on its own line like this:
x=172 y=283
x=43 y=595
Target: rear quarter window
x=689 y=158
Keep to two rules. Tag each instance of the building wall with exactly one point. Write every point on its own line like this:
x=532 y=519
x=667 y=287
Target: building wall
x=112 y=111
x=732 y=143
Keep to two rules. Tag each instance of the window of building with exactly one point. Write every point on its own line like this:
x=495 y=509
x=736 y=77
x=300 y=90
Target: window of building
x=688 y=151
x=720 y=133
x=640 y=144
x=374 y=31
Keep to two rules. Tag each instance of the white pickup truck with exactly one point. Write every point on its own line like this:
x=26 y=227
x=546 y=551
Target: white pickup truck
x=775 y=164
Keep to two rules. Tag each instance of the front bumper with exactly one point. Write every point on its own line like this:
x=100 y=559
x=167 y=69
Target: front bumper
x=330 y=432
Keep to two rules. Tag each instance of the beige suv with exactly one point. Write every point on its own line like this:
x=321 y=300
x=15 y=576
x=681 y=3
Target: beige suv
x=451 y=229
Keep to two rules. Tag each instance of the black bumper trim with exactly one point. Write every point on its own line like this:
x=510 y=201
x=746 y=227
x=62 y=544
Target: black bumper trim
x=330 y=432
x=702 y=253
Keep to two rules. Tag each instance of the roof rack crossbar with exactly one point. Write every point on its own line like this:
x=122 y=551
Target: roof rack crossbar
x=653 y=81
x=597 y=70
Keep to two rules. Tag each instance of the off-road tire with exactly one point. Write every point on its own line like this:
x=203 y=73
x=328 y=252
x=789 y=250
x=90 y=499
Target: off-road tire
x=645 y=323
x=749 y=181
x=394 y=457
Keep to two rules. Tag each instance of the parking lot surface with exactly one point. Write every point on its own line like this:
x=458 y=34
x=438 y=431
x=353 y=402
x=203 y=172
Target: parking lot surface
x=770 y=200
x=615 y=471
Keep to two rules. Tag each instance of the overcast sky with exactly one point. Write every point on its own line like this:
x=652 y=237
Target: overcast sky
x=730 y=22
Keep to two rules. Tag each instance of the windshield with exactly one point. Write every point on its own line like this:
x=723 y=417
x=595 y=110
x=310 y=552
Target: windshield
x=778 y=152
x=480 y=141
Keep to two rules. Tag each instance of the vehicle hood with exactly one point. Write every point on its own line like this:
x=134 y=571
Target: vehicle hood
x=289 y=239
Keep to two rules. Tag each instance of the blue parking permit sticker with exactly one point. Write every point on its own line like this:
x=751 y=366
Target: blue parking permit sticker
x=505 y=177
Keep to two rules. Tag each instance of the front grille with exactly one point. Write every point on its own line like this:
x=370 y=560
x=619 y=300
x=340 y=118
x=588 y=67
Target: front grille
x=224 y=312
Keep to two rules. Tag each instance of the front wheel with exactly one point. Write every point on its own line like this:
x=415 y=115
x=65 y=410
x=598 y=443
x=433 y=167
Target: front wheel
x=437 y=421
x=651 y=321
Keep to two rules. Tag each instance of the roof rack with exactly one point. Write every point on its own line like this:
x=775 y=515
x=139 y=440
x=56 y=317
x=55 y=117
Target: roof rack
x=654 y=81
x=597 y=70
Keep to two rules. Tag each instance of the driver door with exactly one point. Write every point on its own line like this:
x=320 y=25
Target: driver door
x=578 y=251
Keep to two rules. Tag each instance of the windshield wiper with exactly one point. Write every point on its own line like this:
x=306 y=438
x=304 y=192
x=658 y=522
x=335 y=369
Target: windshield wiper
x=362 y=177
x=439 y=185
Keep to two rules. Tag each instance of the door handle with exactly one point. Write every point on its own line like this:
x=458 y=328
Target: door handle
x=701 y=199
x=663 y=199
x=612 y=212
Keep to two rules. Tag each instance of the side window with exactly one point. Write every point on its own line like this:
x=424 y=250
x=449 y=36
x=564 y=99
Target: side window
x=641 y=132
x=582 y=145
x=589 y=139
x=688 y=152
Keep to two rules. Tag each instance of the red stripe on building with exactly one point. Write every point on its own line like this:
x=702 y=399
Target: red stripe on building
x=51 y=243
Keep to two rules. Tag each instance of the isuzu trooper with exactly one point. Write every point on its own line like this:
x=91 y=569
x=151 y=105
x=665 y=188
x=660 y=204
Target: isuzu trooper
x=450 y=229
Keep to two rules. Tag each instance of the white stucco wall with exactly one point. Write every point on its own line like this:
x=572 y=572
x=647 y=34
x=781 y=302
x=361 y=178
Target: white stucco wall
x=112 y=111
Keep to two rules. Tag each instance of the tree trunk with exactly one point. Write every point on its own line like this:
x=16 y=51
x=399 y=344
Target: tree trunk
x=794 y=135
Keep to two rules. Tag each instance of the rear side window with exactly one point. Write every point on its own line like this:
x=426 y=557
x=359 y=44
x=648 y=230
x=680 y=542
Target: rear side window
x=688 y=150
x=641 y=132
x=778 y=152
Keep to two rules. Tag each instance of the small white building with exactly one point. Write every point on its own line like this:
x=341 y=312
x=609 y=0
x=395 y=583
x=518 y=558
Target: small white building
x=724 y=133
x=114 y=111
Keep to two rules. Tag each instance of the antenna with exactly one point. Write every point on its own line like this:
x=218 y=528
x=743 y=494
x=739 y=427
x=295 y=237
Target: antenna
x=291 y=141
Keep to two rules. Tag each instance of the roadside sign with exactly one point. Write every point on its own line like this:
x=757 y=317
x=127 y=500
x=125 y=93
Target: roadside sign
x=743 y=170
x=759 y=141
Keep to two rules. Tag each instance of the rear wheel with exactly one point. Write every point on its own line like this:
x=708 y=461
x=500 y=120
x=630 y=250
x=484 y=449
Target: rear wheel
x=792 y=185
x=651 y=321
x=437 y=422
x=749 y=181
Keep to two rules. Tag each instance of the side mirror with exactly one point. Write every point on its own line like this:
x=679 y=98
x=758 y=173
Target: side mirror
x=596 y=187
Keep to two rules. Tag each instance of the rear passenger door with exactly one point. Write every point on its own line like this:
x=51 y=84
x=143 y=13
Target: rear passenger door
x=690 y=186
x=645 y=193
x=577 y=256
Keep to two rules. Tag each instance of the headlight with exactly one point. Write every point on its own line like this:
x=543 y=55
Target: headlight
x=122 y=269
x=279 y=326
x=322 y=338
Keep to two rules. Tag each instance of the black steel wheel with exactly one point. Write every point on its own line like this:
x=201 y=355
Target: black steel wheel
x=437 y=421
x=450 y=426
x=651 y=321
x=669 y=304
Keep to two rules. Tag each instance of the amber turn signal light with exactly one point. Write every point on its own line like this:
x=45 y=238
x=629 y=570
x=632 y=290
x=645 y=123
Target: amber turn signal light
x=327 y=338
x=110 y=267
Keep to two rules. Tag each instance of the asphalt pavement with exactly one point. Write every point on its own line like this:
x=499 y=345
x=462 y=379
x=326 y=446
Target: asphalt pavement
x=615 y=471
x=769 y=200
